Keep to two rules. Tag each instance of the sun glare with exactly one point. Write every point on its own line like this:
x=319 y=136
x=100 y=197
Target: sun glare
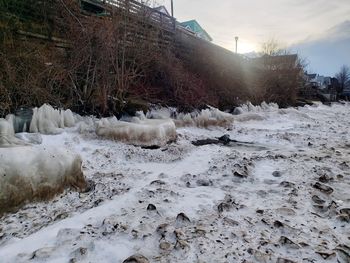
x=245 y=46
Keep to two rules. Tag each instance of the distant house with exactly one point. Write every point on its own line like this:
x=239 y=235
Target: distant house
x=322 y=87
x=195 y=27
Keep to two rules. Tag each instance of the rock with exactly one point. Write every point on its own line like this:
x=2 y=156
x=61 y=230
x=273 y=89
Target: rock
x=326 y=254
x=285 y=260
x=136 y=259
x=162 y=229
x=278 y=224
x=224 y=207
x=158 y=182
x=240 y=174
x=287 y=184
x=276 y=174
x=203 y=182
x=182 y=218
x=345 y=211
x=238 y=111
x=79 y=253
x=225 y=139
x=165 y=245
x=151 y=207
x=318 y=200
x=343 y=218
x=288 y=242
x=323 y=188
x=270 y=181
x=181 y=244
x=261 y=257
x=43 y=253
x=325 y=179
x=286 y=211
x=262 y=193
x=230 y=221
x=179 y=234
x=343 y=252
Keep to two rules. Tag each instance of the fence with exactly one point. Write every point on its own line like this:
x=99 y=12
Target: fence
x=134 y=9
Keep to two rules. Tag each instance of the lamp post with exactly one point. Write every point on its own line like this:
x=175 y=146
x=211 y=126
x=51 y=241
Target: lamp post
x=172 y=8
x=236 y=38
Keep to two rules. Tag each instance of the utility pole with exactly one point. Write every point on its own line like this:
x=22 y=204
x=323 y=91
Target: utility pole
x=236 y=38
x=172 y=8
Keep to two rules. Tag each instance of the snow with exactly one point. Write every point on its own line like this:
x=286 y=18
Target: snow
x=252 y=202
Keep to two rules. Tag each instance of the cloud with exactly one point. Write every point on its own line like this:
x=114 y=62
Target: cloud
x=329 y=51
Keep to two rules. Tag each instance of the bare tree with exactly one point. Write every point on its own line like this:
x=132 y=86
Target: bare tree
x=272 y=47
x=343 y=77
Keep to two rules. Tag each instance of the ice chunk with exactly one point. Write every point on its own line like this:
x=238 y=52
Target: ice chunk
x=139 y=132
x=36 y=173
x=48 y=120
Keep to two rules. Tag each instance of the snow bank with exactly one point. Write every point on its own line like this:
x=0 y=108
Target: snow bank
x=30 y=173
x=205 y=118
x=141 y=132
x=48 y=120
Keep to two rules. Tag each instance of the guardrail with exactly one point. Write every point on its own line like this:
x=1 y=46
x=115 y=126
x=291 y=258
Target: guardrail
x=138 y=10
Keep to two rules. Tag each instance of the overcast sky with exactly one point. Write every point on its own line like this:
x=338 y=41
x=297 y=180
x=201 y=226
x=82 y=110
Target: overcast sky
x=305 y=25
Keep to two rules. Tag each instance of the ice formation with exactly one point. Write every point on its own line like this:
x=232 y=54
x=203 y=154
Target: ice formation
x=141 y=132
x=32 y=172
x=249 y=107
x=48 y=120
x=205 y=118
x=7 y=133
x=43 y=173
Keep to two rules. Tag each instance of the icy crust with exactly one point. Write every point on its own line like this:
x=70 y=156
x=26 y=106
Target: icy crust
x=30 y=173
x=141 y=132
x=285 y=202
x=47 y=120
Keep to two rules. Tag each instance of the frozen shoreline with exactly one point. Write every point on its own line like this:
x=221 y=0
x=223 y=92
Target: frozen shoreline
x=263 y=212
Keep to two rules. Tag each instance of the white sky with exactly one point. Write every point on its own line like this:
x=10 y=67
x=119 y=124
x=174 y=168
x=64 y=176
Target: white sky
x=255 y=21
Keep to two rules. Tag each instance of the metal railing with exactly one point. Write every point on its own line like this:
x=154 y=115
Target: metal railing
x=136 y=9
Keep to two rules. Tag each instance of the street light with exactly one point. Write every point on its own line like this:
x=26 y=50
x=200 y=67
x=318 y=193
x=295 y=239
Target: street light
x=172 y=8
x=236 y=38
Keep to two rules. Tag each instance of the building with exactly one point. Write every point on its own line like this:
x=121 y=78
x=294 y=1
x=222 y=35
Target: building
x=325 y=88
x=194 y=27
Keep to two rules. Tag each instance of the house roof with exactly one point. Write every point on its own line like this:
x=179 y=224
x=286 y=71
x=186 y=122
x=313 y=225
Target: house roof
x=196 y=27
x=312 y=76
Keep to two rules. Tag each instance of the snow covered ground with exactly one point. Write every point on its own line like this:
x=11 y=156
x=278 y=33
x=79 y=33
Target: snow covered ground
x=284 y=198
